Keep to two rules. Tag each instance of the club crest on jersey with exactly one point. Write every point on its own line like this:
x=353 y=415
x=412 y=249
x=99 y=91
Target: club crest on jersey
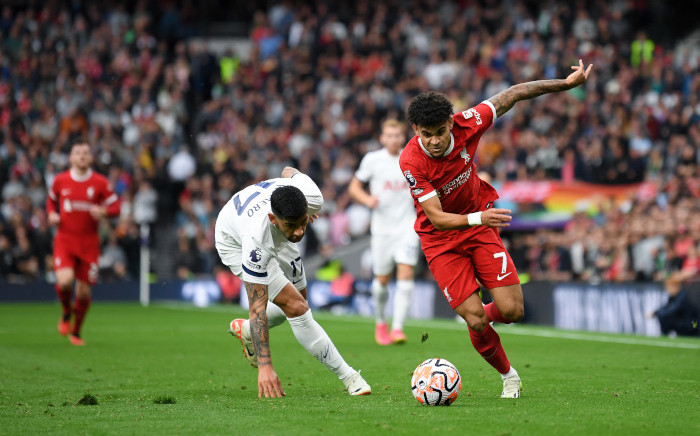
x=90 y=192
x=465 y=156
x=410 y=179
x=256 y=255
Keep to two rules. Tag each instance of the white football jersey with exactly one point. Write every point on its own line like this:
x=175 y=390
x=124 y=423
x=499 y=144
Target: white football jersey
x=395 y=213
x=244 y=219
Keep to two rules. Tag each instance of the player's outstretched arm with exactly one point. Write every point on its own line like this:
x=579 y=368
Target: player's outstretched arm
x=269 y=384
x=358 y=194
x=504 y=101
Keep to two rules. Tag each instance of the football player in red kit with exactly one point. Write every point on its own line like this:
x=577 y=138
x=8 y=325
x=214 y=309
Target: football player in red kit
x=77 y=200
x=456 y=223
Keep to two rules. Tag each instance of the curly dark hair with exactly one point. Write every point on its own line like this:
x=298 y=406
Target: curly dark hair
x=429 y=109
x=288 y=203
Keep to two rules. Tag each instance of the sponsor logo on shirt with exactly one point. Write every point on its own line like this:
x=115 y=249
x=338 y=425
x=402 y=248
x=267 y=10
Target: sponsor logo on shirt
x=76 y=206
x=394 y=185
x=472 y=112
x=256 y=255
x=411 y=180
x=456 y=182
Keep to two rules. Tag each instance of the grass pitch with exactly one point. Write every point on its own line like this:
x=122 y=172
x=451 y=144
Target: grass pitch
x=174 y=370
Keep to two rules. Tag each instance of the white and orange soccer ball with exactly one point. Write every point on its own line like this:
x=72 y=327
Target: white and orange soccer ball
x=436 y=382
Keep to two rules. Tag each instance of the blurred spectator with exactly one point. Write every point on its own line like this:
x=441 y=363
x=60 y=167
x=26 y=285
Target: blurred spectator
x=679 y=316
x=178 y=126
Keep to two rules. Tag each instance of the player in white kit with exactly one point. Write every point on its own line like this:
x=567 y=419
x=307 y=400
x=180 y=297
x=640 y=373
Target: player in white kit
x=256 y=235
x=394 y=242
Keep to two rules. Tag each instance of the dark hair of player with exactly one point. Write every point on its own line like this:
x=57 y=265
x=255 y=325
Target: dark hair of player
x=288 y=203
x=429 y=109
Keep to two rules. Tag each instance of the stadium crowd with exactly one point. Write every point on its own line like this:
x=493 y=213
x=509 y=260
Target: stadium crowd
x=178 y=127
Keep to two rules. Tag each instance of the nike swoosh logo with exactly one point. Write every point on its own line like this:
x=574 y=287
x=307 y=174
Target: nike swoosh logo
x=294 y=283
x=501 y=277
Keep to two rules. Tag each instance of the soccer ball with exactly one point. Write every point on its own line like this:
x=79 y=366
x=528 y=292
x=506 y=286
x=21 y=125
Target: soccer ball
x=436 y=382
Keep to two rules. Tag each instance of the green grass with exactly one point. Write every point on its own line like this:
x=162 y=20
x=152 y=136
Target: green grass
x=174 y=370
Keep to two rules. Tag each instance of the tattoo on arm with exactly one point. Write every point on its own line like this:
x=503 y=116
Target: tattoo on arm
x=504 y=101
x=259 y=329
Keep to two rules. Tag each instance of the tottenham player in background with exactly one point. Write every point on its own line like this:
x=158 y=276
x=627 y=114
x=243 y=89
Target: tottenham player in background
x=457 y=226
x=256 y=235
x=77 y=200
x=394 y=242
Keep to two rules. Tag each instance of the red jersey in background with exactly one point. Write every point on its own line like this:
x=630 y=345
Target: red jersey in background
x=77 y=244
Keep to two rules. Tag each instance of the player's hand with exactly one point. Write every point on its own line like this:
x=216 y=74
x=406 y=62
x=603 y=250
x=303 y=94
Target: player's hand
x=496 y=217
x=54 y=218
x=269 y=384
x=98 y=212
x=313 y=218
x=579 y=75
x=372 y=202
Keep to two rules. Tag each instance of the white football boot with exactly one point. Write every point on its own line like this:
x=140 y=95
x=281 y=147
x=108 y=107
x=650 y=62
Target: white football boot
x=512 y=387
x=356 y=385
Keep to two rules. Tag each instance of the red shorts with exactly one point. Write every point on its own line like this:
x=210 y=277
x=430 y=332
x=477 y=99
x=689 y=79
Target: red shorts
x=459 y=261
x=79 y=254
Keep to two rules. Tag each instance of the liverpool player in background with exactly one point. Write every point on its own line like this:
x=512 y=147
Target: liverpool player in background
x=457 y=226
x=394 y=242
x=77 y=200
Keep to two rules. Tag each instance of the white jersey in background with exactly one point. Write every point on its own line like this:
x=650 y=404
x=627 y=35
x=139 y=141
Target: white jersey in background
x=251 y=246
x=395 y=213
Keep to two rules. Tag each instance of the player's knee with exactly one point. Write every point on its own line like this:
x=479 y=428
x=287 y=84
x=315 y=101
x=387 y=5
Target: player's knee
x=477 y=323
x=515 y=313
x=383 y=280
x=295 y=308
x=64 y=285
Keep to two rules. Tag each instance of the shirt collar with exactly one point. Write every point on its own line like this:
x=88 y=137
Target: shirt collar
x=446 y=153
x=78 y=178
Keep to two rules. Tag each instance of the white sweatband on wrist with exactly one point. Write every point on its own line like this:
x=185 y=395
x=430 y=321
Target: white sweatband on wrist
x=474 y=219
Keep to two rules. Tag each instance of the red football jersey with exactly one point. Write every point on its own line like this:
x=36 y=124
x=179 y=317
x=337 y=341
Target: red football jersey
x=451 y=177
x=72 y=196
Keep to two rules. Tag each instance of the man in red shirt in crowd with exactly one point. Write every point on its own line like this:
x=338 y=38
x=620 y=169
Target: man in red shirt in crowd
x=457 y=226
x=77 y=200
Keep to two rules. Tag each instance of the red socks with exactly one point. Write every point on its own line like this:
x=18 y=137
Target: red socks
x=494 y=315
x=64 y=297
x=81 y=308
x=488 y=344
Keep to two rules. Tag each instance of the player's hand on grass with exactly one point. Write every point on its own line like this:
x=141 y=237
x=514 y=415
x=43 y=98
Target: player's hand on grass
x=579 y=75
x=496 y=217
x=54 y=218
x=269 y=385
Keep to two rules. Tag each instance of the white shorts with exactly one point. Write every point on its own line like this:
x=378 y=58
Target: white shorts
x=389 y=250
x=285 y=268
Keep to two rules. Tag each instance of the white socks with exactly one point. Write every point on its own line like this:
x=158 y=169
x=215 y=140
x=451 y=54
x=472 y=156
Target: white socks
x=402 y=302
x=380 y=295
x=315 y=340
x=275 y=317
x=511 y=373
